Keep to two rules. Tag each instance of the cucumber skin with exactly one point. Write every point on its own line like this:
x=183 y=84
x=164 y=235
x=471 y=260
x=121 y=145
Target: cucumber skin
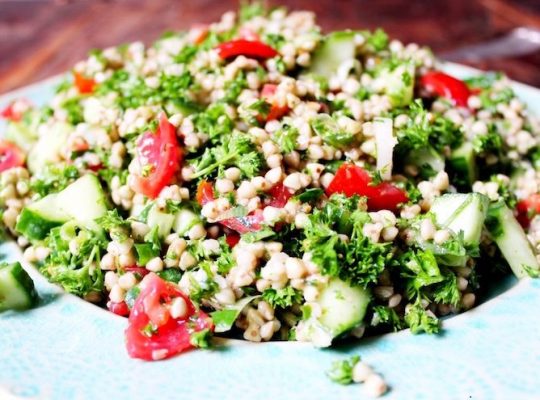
x=515 y=248
x=327 y=303
x=19 y=275
x=326 y=59
x=34 y=226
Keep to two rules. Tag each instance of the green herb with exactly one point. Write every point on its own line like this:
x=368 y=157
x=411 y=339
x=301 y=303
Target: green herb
x=236 y=150
x=377 y=40
x=358 y=260
x=274 y=40
x=234 y=88
x=388 y=316
x=342 y=370
x=257 y=236
x=282 y=298
x=131 y=296
x=214 y=122
x=187 y=54
x=327 y=128
x=224 y=319
x=74 y=110
x=251 y=9
x=171 y=274
x=310 y=195
x=285 y=137
x=53 y=178
x=77 y=273
x=418 y=320
x=201 y=339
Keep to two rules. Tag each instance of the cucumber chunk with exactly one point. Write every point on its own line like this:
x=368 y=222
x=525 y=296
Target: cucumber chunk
x=336 y=48
x=162 y=220
x=47 y=148
x=398 y=83
x=17 y=290
x=343 y=307
x=511 y=240
x=463 y=163
x=427 y=160
x=83 y=201
x=461 y=212
x=20 y=134
x=185 y=220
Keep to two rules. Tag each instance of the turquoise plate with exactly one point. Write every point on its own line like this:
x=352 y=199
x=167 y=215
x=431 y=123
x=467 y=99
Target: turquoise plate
x=69 y=349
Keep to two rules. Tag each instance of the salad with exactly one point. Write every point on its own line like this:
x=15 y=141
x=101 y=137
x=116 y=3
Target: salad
x=257 y=178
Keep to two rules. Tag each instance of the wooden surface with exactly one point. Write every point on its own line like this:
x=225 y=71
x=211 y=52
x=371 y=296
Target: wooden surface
x=40 y=38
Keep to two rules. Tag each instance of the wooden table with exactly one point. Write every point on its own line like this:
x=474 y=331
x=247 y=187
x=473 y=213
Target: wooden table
x=40 y=38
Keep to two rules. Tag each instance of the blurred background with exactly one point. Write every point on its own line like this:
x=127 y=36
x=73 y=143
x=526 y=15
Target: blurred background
x=40 y=38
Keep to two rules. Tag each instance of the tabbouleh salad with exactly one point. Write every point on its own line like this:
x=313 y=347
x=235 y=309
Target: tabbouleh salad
x=260 y=179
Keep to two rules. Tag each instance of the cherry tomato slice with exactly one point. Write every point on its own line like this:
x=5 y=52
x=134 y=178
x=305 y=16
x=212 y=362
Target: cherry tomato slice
x=118 y=308
x=152 y=334
x=248 y=48
x=249 y=223
x=527 y=209
x=15 y=110
x=205 y=193
x=232 y=239
x=161 y=156
x=83 y=84
x=447 y=86
x=279 y=195
x=276 y=111
x=351 y=179
x=10 y=156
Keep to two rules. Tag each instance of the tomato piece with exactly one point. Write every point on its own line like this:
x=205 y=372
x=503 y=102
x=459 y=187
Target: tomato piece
x=249 y=223
x=83 y=84
x=197 y=33
x=351 y=179
x=137 y=270
x=232 y=239
x=205 y=193
x=10 y=156
x=152 y=333
x=276 y=111
x=15 y=110
x=160 y=155
x=444 y=85
x=280 y=195
x=527 y=209
x=118 y=308
x=252 y=222
x=248 y=48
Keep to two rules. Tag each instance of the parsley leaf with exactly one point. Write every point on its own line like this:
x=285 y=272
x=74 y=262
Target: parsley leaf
x=342 y=370
x=285 y=137
x=418 y=320
x=236 y=150
x=282 y=298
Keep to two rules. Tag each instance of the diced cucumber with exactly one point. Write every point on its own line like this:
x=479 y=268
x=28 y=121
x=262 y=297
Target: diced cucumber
x=427 y=160
x=17 y=290
x=162 y=220
x=185 y=220
x=398 y=83
x=463 y=162
x=343 y=308
x=462 y=212
x=511 y=239
x=336 y=48
x=83 y=201
x=37 y=219
x=47 y=149
x=21 y=134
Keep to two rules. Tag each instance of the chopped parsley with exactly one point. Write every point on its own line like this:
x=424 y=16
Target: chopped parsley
x=342 y=370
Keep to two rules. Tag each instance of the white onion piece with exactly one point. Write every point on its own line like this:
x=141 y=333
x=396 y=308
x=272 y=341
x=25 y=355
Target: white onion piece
x=385 y=142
